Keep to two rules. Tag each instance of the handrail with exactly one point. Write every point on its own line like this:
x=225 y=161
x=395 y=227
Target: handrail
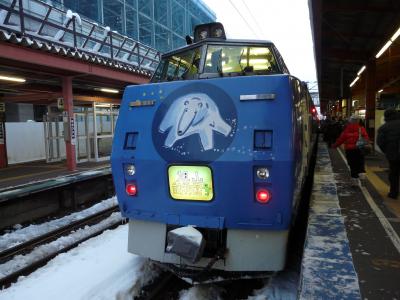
x=45 y=23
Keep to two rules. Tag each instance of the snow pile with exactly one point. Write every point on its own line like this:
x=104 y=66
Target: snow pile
x=203 y=292
x=21 y=261
x=99 y=268
x=19 y=236
x=282 y=286
x=70 y=15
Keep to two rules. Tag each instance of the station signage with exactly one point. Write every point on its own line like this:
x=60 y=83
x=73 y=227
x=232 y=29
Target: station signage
x=72 y=130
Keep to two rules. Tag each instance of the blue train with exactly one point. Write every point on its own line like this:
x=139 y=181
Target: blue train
x=209 y=159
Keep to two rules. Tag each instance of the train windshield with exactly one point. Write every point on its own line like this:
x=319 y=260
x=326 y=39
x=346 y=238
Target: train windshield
x=180 y=66
x=220 y=60
x=240 y=60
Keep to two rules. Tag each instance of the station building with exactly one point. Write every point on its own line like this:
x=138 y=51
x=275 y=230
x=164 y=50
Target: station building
x=64 y=66
x=161 y=24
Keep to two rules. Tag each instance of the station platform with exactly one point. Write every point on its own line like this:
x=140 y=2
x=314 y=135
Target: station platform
x=352 y=248
x=36 y=190
x=40 y=170
x=18 y=180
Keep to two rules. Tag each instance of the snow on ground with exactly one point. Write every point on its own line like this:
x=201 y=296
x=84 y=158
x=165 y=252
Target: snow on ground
x=100 y=268
x=19 y=236
x=20 y=261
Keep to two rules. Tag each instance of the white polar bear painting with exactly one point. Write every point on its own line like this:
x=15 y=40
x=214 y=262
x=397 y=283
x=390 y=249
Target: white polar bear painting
x=193 y=113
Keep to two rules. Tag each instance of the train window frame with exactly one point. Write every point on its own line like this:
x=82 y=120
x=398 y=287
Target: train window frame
x=161 y=73
x=280 y=60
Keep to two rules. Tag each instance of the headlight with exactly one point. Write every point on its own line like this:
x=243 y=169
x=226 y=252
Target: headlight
x=262 y=173
x=130 y=170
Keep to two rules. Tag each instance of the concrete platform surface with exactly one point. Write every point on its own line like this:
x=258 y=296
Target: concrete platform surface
x=25 y=173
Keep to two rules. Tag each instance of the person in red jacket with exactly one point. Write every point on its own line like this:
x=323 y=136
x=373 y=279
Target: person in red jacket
x=349 y=137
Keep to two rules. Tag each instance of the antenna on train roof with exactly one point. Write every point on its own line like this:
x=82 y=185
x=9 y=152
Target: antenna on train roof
x=210 y=30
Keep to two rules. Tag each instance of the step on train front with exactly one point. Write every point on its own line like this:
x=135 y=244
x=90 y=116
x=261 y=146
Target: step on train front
x=210 y=157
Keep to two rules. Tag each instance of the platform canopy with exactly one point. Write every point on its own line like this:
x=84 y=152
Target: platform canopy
x=347 y=36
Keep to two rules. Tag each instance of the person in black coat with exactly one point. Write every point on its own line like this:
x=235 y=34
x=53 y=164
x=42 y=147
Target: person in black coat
x=389 y=141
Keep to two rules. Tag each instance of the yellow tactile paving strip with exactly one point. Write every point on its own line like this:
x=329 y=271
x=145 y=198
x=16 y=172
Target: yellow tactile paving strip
x=383 y=189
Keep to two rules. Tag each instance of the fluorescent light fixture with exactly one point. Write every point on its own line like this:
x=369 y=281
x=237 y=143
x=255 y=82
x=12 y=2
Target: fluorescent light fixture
x=14 y=79
x=109 y=90
x=395 y=35
x=380 y=91
x=354 y=81
x=387 y=45
x=361 y=70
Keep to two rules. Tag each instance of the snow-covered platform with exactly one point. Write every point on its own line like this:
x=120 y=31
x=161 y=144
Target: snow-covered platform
x=352 y=248
x=327 y=266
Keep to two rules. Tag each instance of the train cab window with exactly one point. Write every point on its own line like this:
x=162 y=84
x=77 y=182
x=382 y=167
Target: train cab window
x=180 y=66
x=240 y=60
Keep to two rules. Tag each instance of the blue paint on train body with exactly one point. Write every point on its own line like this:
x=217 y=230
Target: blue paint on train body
x=217 y=130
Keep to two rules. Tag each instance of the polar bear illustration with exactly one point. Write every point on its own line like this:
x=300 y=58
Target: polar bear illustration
x=193 y=113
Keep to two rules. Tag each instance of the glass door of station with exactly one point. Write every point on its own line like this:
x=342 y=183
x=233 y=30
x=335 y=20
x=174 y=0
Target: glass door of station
x=53 y=136
x=82 y=131
x=94 y=129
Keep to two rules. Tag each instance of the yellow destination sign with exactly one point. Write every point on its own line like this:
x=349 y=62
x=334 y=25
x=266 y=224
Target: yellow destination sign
x=190 y=183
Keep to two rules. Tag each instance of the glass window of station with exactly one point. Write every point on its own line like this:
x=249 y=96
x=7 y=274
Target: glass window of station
x=162 y=24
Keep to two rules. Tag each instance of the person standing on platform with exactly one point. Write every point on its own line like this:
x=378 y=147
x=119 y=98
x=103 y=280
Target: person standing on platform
x=389 y=141
x=354 y=156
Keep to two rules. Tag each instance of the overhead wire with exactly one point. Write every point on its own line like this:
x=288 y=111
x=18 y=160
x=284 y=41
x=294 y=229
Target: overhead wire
x=252 y=16
x=243 y=18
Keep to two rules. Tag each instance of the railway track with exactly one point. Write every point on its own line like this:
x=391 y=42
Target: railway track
x=7 y=255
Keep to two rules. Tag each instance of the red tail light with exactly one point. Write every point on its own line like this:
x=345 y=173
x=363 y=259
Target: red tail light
x=131 y=189
x=263 y=196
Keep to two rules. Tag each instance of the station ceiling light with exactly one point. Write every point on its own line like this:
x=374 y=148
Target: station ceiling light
x=389 y=42
x=106 y=90
x=380 y=91
x=13 y=79
x=361 y=70
x=354 y=81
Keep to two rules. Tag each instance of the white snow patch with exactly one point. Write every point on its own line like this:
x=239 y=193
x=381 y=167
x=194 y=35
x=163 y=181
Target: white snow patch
x=99 y=268
x=21 y=261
